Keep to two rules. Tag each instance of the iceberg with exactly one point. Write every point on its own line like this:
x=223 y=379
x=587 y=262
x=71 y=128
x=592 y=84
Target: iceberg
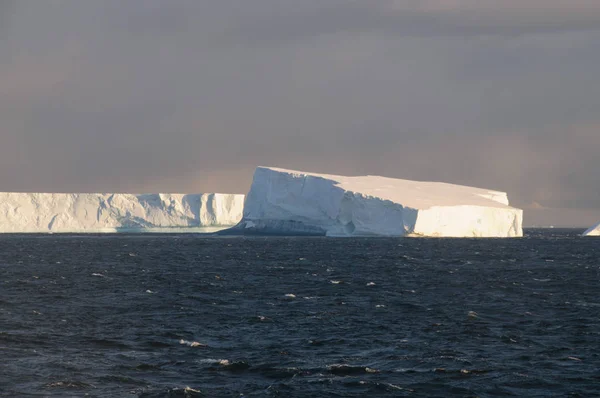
x=297 y=203
x=593 y=231
x=103 y=212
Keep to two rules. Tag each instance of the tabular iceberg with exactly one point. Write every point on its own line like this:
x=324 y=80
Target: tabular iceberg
x=297 y=203
x=89 y=212
x=593 y=231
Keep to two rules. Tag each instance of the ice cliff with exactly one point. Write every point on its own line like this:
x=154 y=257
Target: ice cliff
x=293 y=202
x=593 y=231
x=57 y=212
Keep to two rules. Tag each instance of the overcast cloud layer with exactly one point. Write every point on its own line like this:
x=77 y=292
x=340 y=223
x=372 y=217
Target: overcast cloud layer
x=190 y=96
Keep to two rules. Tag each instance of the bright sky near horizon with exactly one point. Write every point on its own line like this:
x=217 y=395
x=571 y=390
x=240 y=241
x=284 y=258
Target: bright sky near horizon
x=192 y=95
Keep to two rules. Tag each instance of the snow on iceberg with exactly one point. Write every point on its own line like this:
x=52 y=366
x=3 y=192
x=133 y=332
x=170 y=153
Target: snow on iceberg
x=298 y=203
x=593 y=231
x=89 y=212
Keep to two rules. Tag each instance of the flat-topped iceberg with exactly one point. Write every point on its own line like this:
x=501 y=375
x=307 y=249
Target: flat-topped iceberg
x=593 y=231
x=298 y=203
x=90 y=212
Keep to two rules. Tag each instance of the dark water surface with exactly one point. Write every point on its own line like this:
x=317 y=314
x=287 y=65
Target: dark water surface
x=149 y=315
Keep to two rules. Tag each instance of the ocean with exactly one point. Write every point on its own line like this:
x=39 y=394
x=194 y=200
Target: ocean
x=204 y=316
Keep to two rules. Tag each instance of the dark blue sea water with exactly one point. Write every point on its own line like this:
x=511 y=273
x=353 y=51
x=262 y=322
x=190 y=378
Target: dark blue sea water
x=187 y=316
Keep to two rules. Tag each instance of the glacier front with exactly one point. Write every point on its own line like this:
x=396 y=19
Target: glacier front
x=102 y=212
x=298 y=203
x=593 y=231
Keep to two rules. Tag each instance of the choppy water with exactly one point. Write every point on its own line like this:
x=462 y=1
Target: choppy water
x=148 y=316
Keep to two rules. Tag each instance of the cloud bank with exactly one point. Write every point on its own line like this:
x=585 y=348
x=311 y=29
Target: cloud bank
x=190 y=96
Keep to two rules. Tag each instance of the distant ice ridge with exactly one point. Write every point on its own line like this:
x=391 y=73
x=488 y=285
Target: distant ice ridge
x=102 y=212
x=298 y=203
x=593 y=231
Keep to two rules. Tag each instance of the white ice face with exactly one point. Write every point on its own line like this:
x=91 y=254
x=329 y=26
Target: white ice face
x=58 y=212
x=286 y=201
x=593 y=231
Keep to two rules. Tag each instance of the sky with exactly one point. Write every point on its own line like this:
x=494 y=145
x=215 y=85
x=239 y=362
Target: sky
x=192 y=95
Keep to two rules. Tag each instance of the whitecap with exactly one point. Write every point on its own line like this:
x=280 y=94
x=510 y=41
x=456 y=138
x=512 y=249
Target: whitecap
x=192 y=343
x=210 y=360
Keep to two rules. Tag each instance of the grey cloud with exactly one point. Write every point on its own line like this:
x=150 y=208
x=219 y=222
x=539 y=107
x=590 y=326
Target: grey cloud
x=6 y=10
x=190 y=96
x=419 y=18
